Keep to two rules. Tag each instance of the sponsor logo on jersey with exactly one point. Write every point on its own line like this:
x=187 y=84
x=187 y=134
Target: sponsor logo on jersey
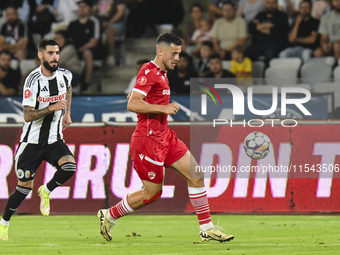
x=44 y=89
x=151 y=175
x=141 y=156
x=27 y=93
x=142 y=80
x=52 y=99
x=166 y=92
x=147 y=71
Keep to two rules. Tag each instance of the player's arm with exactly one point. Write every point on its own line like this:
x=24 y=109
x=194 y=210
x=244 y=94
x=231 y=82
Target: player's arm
x=67 y=117
x=137 y=104
x=91 y=44
x=31 y=114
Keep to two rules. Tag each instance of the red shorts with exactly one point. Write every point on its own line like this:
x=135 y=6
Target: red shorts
x=150 y=157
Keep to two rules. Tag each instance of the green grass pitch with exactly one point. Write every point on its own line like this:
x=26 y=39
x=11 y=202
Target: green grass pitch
x=139 y=234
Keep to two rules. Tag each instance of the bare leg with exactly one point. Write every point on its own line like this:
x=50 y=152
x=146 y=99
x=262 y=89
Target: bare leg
x=336 y=48
x=88 y=58
x=186 y=167
x=29 y=184
x=136 y=199
x=110 y=40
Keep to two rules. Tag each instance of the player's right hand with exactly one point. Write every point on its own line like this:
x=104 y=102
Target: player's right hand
x=172 y=108
x=60 y=105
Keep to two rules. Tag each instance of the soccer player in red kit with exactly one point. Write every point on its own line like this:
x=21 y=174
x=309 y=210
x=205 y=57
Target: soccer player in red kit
x=155 y=146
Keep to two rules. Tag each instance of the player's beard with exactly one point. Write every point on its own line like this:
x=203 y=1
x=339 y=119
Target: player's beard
x=51 y=68
x=169 y=67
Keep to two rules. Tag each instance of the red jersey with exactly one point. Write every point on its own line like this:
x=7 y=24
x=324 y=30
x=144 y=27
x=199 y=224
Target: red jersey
x=153 y=83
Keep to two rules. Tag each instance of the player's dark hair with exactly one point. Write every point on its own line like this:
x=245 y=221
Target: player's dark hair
x=208 y=44
x=6 y=52
x=169 y=38
x=215 y=56
x=230 y=3
x=198 y=6
x=45 y=42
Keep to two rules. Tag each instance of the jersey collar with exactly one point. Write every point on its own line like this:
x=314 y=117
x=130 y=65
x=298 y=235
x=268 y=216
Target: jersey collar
x=160 y=69
x=45 y=77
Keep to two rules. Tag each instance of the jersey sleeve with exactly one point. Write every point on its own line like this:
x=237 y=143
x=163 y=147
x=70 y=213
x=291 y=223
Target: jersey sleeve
x=146 y=79
x=68 y=76
x=30 y=91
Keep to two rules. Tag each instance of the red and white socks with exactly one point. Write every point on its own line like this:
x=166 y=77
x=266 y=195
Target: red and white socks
x=119 y=210
x=199 y=200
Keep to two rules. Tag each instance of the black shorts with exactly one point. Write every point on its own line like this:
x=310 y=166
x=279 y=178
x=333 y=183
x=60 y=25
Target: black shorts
x=29 y=157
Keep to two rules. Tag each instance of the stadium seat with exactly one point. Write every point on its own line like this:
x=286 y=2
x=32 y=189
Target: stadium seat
x=286 y=63
x=27 y=65
x=329 y=87
x=336 y=74
x=257 y=69
x=281 y=76
x=330 y=61
x=314 y=73
x=226 y=64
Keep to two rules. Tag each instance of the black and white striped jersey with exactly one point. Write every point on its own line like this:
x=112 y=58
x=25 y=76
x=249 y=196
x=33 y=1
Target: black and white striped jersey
x=39 y=92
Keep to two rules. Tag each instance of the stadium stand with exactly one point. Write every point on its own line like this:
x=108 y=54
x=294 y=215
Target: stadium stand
x=315 y=73
x=280 y=76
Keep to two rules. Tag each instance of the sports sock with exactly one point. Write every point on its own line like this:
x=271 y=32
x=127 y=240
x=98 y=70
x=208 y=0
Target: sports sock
x=64 y=172
x=199 y=200
x=14 y=201
x=119 y=210
x=4 y=222
x=47 y=190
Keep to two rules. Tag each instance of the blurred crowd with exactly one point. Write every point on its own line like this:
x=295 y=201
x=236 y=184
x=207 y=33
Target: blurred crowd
x=239 y=31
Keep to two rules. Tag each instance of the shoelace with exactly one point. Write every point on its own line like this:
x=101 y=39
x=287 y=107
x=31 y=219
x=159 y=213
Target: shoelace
x=217 y=227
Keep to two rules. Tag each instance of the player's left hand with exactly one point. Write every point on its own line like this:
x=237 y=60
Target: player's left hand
x=67 y=120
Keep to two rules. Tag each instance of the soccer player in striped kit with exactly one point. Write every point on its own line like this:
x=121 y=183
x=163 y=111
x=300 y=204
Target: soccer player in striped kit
x=154 y=145
x=47 y=95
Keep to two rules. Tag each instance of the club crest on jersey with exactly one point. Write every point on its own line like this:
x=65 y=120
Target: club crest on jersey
x=52 y=99
x=27 y=174
x=151 y=175
x=20 y=173
x=166 y=92
x=27 y=93
x=142 y=80
x=61 y=84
